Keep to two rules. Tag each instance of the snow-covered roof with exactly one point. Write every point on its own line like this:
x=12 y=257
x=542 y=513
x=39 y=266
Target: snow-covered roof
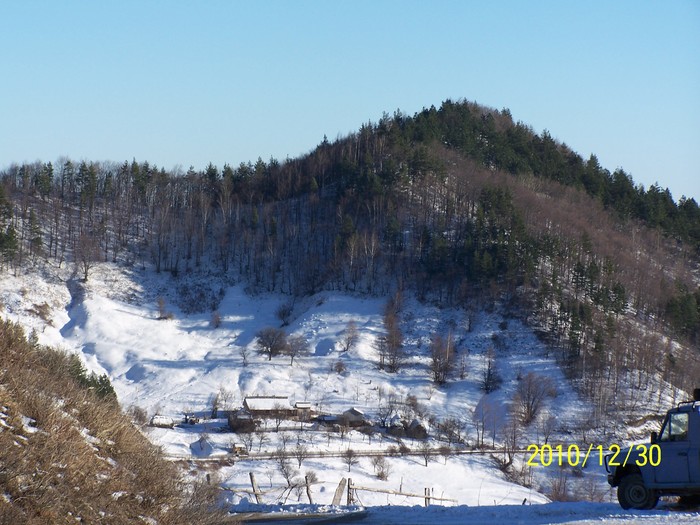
x=267 y=403
x=354 y=411
x=303 y=405
x=162 y=421
x=395 y=421
x=418 y=423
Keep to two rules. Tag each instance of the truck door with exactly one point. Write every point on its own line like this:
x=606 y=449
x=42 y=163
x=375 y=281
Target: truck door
x=694 y=450
x=675 y=445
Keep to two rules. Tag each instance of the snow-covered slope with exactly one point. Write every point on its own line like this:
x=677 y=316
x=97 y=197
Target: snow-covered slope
x=177 y=366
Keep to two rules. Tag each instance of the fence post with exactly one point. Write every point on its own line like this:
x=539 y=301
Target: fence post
x=351 y=500
x=308 y=489
x=339 y=492
x=256 y=490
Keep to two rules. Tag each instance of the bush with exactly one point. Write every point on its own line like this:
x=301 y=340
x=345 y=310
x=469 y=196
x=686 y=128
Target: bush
x=284 y=312
x=98 y=384
x=138 y=415
x=381 y=467
x=530 y=394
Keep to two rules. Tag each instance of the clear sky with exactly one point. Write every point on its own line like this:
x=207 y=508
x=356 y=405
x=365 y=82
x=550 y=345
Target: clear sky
x=185 y=83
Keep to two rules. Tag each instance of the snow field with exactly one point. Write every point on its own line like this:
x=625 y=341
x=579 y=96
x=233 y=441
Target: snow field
x=172 y=367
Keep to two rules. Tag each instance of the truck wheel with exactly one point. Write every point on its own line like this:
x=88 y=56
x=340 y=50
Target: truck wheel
x=632 y=494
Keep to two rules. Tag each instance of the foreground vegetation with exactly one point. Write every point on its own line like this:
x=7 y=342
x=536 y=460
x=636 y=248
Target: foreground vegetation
x=68 y=454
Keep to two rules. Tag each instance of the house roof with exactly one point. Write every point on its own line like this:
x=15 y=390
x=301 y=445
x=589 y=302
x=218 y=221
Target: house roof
x=354 y=411
x=162 y=420
x=302 y=404
x=267 y=403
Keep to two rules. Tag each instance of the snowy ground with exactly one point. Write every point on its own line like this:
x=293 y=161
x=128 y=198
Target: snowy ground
x=553 y=513
x=172 y=367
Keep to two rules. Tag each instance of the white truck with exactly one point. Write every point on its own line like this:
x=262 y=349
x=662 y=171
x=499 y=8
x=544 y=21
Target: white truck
x=668 y=465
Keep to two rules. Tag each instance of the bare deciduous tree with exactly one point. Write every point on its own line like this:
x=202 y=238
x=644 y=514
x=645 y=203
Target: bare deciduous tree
x=425 y=452
x=87 y=253
x=245 y=354
x=271 y=342
x=445 y=452
x=530 y=394
x=394 y=344
x=261 y=438
x=350 y=458
x=547 y=425
x=350 y=336
x=296 y=345
x=381 y=467
x=163 y=312
x=300 y=452
x=285 y=466
x=492 y=379
x=441 y=358
x=284 y=312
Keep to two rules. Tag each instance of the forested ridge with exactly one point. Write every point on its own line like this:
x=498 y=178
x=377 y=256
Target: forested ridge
x=461 y=204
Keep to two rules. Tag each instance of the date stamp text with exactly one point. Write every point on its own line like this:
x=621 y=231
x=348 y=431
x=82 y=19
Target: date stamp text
x=575 y=456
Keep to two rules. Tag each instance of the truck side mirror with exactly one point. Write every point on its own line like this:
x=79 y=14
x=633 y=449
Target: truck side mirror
x=654 y=437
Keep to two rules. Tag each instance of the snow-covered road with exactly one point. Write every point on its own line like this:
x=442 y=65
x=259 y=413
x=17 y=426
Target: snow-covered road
x=552 y=513
x=579 y=513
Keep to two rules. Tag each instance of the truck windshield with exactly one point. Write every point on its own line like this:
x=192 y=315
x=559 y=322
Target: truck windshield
x=676 y=428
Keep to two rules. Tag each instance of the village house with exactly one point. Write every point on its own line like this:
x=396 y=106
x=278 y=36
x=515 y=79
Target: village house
x=269 y=406
x=241 y=421
x=353 y=417
x=303 y=410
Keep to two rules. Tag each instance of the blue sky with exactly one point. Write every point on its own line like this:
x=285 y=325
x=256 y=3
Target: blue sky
x=186 y=83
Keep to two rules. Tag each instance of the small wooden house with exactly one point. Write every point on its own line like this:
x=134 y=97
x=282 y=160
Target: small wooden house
x=268 y=406
x=417 y=430
x=241 y=421
x=239 y=449
x=396 y=427
x=327 y=419
x=353 y=417
x=303 y=410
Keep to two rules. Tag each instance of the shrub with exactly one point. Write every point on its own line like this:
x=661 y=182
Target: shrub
x=99 y=384
x=284 y=312
x=381 y=467
x=138 y=415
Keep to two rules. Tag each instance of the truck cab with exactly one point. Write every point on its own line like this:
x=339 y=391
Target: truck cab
x=668 y=465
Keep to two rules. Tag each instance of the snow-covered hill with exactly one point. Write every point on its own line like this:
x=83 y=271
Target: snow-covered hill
x=176 y=366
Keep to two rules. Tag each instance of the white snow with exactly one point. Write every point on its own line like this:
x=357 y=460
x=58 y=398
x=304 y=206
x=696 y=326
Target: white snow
x=173 y=367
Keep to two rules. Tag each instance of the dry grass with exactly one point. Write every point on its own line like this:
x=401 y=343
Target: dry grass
x=82 y=459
